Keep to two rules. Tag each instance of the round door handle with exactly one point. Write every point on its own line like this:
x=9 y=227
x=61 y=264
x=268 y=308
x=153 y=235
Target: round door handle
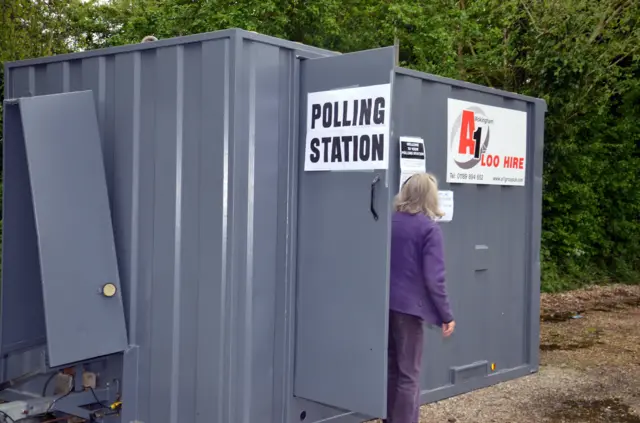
x=109 y=290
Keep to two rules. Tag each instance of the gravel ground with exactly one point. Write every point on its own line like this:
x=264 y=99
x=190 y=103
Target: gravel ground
x=590 y=367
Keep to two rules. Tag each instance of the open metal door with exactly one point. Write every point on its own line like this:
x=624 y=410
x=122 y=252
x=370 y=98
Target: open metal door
x=76 y=259
x=343 y=248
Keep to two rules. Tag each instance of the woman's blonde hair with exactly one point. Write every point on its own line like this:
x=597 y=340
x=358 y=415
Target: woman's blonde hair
x=419 y=194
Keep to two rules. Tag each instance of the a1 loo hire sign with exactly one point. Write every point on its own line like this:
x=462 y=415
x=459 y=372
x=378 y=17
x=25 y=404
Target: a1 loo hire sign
x=486 y=144
x=348 y=129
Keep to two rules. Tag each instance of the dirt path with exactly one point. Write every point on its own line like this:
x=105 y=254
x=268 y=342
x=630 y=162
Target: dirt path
x=590 y=367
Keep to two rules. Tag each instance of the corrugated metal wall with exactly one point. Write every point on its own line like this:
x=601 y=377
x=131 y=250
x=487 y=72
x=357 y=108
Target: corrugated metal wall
x=196 y=176
x=495 y=297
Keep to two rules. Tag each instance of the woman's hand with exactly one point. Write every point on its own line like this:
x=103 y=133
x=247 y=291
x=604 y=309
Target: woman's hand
x=447 y=328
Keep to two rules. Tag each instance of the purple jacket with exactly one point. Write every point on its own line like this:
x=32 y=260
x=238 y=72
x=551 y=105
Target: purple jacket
x=417 y=269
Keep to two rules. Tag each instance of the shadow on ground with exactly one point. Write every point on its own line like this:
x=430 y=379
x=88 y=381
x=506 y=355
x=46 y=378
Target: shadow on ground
x=604 y=410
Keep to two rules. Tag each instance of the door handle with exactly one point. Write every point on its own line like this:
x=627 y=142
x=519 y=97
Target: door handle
x=373 y=197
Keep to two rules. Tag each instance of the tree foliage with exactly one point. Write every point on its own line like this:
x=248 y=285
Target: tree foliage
x=581 y=56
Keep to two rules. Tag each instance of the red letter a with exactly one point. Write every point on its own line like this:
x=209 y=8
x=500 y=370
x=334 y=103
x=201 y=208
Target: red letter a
x=467 y=128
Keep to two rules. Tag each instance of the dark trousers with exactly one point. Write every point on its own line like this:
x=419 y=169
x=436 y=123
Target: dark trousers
x=406 y=334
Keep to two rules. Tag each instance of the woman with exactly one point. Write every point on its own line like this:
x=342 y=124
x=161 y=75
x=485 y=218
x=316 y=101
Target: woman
x=418 y=292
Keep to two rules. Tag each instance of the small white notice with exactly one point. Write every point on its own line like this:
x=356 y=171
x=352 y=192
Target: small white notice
x=348 y=129
x=412 y=158
x=445 y=198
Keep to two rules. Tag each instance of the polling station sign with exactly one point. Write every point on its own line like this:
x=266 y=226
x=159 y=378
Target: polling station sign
x=348 y=129
x=486 y=145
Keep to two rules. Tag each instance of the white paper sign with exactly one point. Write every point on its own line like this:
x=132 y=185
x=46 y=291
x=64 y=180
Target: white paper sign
x=412 y=158
x=486 y=145
x=445 y=199
x=348 y=129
